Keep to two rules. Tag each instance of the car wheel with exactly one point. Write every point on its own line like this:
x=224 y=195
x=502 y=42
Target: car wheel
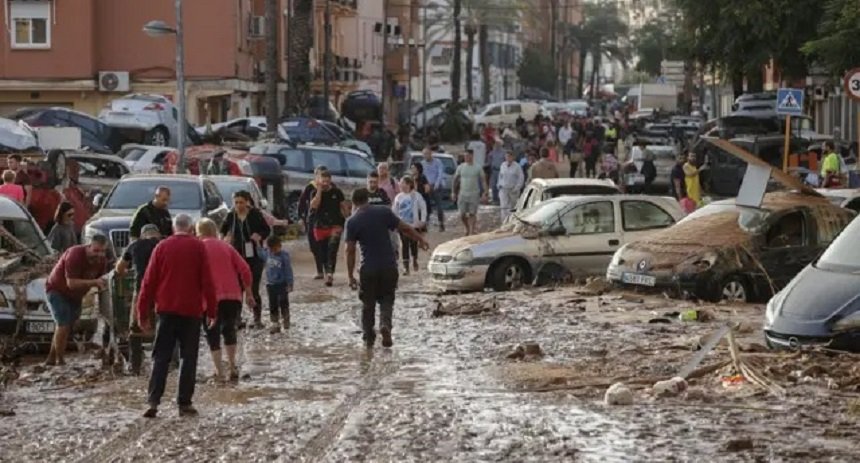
x=293 y=208
x=508 y=275
x=157 y=137
x=734 y=289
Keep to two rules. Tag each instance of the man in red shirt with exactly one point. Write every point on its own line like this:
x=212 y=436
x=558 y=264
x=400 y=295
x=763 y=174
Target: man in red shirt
x=178 y=283
x=79 y=269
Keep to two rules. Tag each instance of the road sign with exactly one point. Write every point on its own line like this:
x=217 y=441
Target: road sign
x=789 y=102
x=852 y=83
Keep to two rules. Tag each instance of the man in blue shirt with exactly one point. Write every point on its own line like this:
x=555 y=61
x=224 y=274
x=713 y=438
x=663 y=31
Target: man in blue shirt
x=434 y=172
x=370 y=227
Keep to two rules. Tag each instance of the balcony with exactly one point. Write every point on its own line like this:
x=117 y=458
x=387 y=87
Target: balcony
x=344 y=69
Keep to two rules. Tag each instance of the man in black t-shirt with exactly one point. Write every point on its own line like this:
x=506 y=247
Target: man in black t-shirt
x=377 y=196
x=330 y=211
x=677 y=180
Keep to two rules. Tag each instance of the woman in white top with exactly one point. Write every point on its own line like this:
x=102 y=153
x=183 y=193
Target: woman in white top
x=410 y=207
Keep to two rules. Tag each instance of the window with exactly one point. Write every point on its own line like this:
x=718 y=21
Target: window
x=332 y=160
x=642 y=215
x=293 y=160
x=789 y=230
x=513 y=109
x=357 y=166
x=98 y=168
x=31 y=22
x=211 y=191
x=590 y=218
x=494 y=111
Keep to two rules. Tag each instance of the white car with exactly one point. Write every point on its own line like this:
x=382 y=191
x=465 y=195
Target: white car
x=143 y=159
x=540 y=190
x=557 y=239
x=37 y=324
x=252 y=126
x=145 y=118
x=507 y=113
x=846 y=198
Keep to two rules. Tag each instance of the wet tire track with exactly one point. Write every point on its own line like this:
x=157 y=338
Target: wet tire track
x=120 y=444
x=318 y=447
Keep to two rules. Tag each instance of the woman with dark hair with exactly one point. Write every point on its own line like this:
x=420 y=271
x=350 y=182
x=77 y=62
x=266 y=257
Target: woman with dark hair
x=422 y=186
x=62 y=235
x=245 y=228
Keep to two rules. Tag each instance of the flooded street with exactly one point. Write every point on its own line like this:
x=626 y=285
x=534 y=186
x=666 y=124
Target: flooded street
x=448 y=391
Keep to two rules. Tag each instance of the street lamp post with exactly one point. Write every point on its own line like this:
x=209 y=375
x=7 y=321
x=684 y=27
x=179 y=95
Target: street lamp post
x=161 y=29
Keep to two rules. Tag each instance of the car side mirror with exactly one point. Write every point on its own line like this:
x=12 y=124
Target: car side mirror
x=97 y=200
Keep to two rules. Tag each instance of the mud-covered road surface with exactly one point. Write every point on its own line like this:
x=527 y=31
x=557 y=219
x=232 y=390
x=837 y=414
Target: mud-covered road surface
x=448 y=391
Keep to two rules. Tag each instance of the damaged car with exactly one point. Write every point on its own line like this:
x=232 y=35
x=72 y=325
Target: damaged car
x=725 y=251
x=557 y=239
x=821 y=305
x=26 y=259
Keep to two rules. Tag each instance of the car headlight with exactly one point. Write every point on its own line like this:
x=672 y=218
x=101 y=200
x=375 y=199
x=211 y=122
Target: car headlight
x=464 y=256
x=89 y=233
x=849 y=323
x=616 y=258
x=3 y=301
x=772 y=306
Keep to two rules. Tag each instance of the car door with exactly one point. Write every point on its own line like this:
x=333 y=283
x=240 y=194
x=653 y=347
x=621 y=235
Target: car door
x=357 y=168
x=591 y=237
x=493 y=115
x=639 y=218
x=512 y=112
x=789 y=246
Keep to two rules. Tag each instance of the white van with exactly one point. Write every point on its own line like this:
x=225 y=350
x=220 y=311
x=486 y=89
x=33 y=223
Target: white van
x=507 y=112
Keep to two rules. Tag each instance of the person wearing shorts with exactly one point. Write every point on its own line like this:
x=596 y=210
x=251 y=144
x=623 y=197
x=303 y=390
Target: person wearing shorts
x=79 y=270
x=470 y=189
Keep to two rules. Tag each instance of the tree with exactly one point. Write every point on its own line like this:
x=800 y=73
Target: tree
x=598 y=35
x=653 y=43
x=478 y=17
x=301 y=24
x=458 y=48
x=835 y=47
x=536 y=69
x=272 y=65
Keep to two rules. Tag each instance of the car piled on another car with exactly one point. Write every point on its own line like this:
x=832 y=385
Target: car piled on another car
x=729 y=252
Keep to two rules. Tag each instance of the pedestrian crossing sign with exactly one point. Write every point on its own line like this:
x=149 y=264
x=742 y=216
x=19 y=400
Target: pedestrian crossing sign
x=789 y=102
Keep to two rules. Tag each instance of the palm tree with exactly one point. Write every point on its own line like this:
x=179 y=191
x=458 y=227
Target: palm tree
x=477 y=17
x=301 y=43
x=599 y=35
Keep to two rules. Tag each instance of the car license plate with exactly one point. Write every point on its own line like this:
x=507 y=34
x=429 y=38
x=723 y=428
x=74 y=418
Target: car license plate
x=40 y=327
x=639 y=279
x=633 y=179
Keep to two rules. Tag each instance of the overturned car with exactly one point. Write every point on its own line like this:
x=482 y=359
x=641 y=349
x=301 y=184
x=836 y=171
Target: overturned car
x=729 y=252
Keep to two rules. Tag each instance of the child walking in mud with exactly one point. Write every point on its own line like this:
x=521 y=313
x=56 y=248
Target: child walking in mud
x=279 y=283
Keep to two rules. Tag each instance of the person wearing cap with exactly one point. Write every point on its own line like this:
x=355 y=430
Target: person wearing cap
x=178 y=284
x=136 y=257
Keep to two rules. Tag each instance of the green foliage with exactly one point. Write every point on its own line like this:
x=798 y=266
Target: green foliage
x=537 y=70
x=835 y=47
x=654 y=43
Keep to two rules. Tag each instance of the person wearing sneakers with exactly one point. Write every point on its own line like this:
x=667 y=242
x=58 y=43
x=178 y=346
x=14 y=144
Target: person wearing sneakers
x=230 y=273
x=178 y=284
x=410 y=207
x=369 y=228
x=330 y=210
x=279 y=282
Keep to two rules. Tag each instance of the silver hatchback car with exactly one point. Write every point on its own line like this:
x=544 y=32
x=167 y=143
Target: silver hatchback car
x=146 y=118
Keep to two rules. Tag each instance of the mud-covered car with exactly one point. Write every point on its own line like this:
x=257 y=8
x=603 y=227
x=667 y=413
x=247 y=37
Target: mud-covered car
x=557 y=239
x=821 y=305
x=729 y=252
x=26 y=259
x=540 y=189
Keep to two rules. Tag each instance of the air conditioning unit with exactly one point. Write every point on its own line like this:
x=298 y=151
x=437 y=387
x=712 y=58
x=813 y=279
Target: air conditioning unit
x=257 y=28
x=114 y=81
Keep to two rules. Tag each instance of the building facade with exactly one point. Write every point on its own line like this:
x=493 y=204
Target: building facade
x=57 y=53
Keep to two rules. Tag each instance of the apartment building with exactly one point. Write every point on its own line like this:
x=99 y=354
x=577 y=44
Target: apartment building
x=83 y=53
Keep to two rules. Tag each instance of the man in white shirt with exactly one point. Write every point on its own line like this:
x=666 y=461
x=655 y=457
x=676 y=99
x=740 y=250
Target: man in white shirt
x=510 y=184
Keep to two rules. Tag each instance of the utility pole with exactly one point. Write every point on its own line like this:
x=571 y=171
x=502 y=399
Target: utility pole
x=271 y=66
x=326 y=57
x=424 y=68
x=410 y=47
x=180 y=87
x=288 y=45
x=384 y=55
